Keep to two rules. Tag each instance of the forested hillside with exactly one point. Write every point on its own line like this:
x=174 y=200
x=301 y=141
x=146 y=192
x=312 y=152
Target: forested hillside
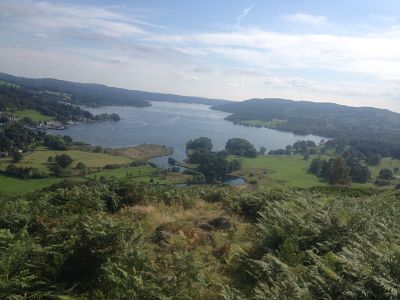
x=90 y=94
x=363 y=126
x=15 y=98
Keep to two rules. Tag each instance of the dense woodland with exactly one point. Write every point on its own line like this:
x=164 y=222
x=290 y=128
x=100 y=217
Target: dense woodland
x=14 y=98
x=367 y=129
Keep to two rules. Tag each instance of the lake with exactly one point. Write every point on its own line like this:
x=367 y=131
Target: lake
x=173 y=124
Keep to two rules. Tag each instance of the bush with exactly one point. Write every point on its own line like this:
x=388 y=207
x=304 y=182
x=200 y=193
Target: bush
x=112 y=166
x=16 y=156
x=63 y=160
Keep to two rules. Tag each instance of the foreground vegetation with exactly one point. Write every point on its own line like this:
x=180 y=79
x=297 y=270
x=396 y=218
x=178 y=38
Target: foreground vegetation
x=118 y=240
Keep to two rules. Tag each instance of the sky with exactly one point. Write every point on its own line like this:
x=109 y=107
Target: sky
x=343 y=51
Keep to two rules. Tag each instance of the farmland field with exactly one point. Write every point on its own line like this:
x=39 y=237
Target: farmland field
x=32 y=114
x=38 y=159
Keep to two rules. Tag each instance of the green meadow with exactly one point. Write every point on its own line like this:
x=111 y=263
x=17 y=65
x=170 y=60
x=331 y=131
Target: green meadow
x=278 y=170
x=34 y=115
x=38 y=159
x=11 y=185
x=291 y=171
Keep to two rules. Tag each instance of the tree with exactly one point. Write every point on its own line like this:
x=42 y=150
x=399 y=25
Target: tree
x=56 y=169
x=235 y=165
x=67 y=139
x=17 y=156
x=80 y=166
x=351 y=155
x=340 y=174
x=98 y=149
x=55 y=142
x=326 y=170
x=262 y=150
x=64 y=160
x=240 y=147
x=214 y=167
x=373 y=159
x=315 y=166
x=306 y=156
x=386 y=174
x=200 y=144
x=12 y=169
x=359 y=173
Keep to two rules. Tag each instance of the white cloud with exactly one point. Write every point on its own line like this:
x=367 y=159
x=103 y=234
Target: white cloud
x=119 y=49
x=236 y=85
x=245 y=12
x=51 y=17
x=305 y=18
x=376 y=55
x=290 y=82
x=186 y=76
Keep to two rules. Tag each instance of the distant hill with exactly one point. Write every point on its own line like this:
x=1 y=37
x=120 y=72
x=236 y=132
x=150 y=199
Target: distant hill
x=95 y=95
x=366 y=124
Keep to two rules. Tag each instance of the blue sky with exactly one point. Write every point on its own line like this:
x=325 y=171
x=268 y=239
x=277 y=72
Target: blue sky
x=331 y=51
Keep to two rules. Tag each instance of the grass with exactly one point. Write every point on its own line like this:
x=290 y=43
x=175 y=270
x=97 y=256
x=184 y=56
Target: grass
x=33 y=115
x=142 y=152
x=94 y=161
x=278 y=170
x=10 y=185
x=211 y=247
x=38 y=159
x=140 y=174
x=386 y=163
x=291 y=171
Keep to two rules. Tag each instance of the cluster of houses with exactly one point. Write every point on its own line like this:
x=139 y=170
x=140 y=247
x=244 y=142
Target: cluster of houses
x=50 y=125
x=8 y=118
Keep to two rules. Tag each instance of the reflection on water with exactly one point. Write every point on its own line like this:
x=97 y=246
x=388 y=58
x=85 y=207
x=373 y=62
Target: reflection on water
x=173 y=124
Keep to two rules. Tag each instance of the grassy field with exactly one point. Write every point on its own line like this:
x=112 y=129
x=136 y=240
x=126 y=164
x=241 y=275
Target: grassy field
x=33 y=114
x=386 y=163
x=140 y=174
x=142 y=152
x=38 y=159
x=278 y=170
x=292 y=171
x=11 y=185
x=94 y=161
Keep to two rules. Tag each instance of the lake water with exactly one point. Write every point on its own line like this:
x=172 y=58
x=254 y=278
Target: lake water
x=172 y=125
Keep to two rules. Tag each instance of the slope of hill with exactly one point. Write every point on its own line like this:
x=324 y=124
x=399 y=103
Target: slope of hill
x=325 y=119
x=90 y=94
